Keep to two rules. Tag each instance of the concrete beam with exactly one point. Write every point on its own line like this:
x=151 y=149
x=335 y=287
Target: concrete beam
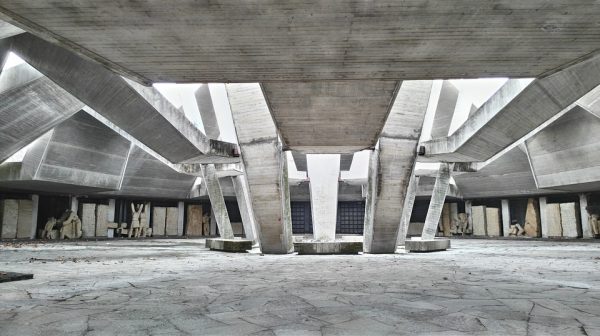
x=217 y=202
x=207 y=112
x=444 y=110
x=392 y=165
x=265 y=164
x=31 y=106
x=324 y=173
x=322 y=117
x=110 y=95
x=8 y=30
x=519 y=107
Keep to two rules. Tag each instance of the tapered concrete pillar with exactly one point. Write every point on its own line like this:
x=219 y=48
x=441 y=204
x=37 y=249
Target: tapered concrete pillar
x=438 y=196
x=409 y=203
x=35 y=203
x=110 y=214
x=544 y=217
x=207 y=112
x=244 y=204
x=505 y=217
x=391 y=167
x=323 y=172
x=217 y=202
x=586 y=229
x=180 y=217
x=265 y=166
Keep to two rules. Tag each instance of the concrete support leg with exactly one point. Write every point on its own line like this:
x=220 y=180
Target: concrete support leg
x=409 y=203
x=323 y=172
x=505 y=217
x=586 y=229
x=74 y=204
x=110 y=214
x=217 y=202
x=265 y=166
x=440 y=189
x=391 y=167
x=245 y=206
x=544 y=217
x=35 y=203
x=180 y=217
x=212 y=230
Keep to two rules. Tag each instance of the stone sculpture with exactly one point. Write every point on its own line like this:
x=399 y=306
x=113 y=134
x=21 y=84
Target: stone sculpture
x=134 y=228
x=461 y=225
x=70 y=225
x=593 y=218
x=47 y=233
x=144 y=229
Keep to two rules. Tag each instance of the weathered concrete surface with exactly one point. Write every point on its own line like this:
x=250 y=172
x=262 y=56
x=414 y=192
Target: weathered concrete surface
x=492 y=222
x=438 y=197
x=392 y=165
x=229 y=245
x=265 y=164
x=569 y=218
x=8 y=30
x=322 y=117
x=217 y=202
x=159 y=216
x=176 y=287
x=324 y=173
x=563 y=155
x=553 y=221
x=499 y=122
x=88 y=219
x=207 y=112
x=9 y=216
x=255 y=41
x=417 y=244
x=109 y=94
x=242 y=196
x=25 y=219
x=444 y=110
x=409 y=202
x=31 y=106
x=331 y=247
x=147 y=176
x=478 y=215
x=172 y=216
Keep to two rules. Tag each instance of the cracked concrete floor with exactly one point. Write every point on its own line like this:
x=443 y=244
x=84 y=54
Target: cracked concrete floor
x=171 y=287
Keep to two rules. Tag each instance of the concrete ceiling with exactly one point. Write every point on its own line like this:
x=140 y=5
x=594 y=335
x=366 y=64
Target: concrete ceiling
x=330 y=116
x=260 y=41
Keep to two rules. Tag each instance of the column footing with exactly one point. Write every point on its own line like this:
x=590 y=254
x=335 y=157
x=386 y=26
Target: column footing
x=340 y=247
x=418 y=245
x=229 y=245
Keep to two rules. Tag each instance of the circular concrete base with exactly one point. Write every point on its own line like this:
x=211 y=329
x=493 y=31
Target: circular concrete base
x=418 y=245
x=229 y=245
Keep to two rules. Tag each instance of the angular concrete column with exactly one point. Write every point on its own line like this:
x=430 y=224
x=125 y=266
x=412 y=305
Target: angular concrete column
x=505 y=217
x=180 y=217
x=391 y=167
x=544 y=217
x=265 y=165
x=438 y=196
x=586 y=229
x=407 y=208
x=244 y=204
x=35 y=203
x=217 y=202
x=323 y=172
x=111 y=210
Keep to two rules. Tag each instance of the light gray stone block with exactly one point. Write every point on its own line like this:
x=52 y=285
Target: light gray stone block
x=159 y=216
x=102 y=220
x=24 y=219
x=10 y=215
x=492 y=220
x=88 y=219
x=553 y=222
x=418 y=245
x=479 y=220
x=171 y=221
x=570 y=220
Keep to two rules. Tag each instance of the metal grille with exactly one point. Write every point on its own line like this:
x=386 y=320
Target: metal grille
x=350 y=218
x=301 y=218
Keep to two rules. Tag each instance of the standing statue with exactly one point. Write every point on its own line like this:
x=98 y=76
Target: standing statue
x=136 y=211
x=595 y=224
x=463 y=224
x=143 y=221
x=48 y=228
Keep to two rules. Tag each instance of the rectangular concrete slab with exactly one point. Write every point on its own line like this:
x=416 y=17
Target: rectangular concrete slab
x=172 y=215
x=229 y=245
x=88 y=219
x=194 y=220
x=159 y=215
x=341 y=247
x=24 y=219
x=479 y=220
x=101 y=220
x=570 y=220
x=553 y=221
x=9 y=210
x=492 y=219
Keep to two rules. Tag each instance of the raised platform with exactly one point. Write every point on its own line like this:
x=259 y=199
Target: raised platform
x=340 y=247
x=12 y=276
x=418 y=245
x=229 y=245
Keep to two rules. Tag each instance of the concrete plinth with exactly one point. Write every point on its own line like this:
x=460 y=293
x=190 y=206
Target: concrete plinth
x=328 y=247
x=229 y=245
x=429 y=245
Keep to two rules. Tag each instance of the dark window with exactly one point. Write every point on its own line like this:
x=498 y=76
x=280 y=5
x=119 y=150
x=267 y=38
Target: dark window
x=350 y=218
x=301 y=218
